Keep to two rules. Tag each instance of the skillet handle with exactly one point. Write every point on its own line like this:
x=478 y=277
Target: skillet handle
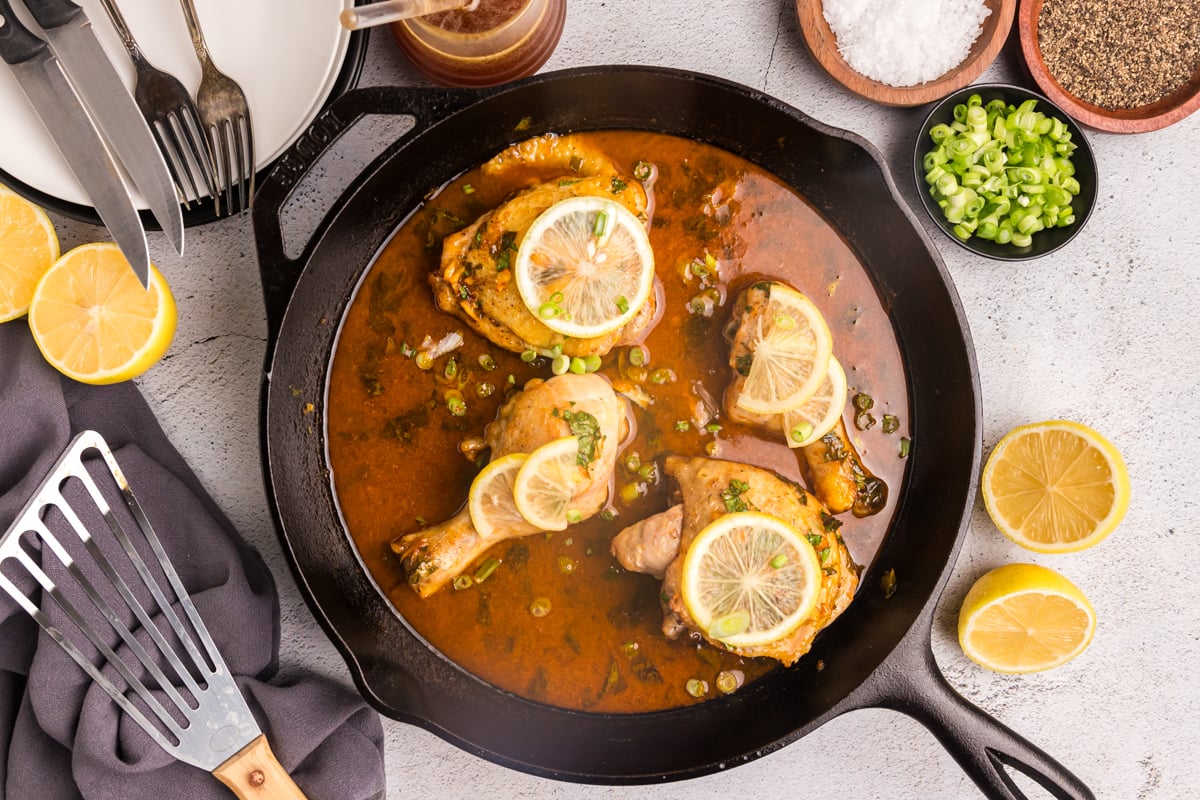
x=910 y=682
x=279 y=272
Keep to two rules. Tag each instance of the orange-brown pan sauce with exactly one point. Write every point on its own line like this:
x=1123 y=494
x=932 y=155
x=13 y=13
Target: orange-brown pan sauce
x=394 y=445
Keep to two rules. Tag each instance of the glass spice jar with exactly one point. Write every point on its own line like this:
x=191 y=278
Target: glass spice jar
x=499 y=41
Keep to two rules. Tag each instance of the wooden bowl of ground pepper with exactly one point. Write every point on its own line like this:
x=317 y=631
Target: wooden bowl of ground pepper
x=1122 y=66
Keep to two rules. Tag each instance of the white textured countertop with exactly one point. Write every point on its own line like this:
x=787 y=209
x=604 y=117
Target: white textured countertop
x=1104 y=332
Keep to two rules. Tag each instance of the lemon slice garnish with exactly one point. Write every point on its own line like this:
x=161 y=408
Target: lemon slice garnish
x=28 y=246
x=585 y=267
x=1024 y=618
x=490 y=502
x=1055 y=487
x=94 y=322
x=750 y=579
x=547 y=483
x=791 y=347
x=820 y=413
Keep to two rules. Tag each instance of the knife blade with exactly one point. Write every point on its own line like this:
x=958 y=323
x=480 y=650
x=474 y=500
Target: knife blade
x=43 y=81
x=71 y=37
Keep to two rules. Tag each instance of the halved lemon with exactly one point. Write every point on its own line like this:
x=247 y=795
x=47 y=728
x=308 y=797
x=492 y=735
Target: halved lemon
x=750 y=579
x=490 y=502
x=1024 y=618
x=791 y=349
x=1055 y=487
x=548 y=482
x=94 y=322
x=820 y=413
x=585 y=267
x=28 y=246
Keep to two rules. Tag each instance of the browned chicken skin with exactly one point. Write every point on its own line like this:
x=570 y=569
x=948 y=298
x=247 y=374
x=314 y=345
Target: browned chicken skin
x=434 y=556
x=702 y=484
x=475 y=282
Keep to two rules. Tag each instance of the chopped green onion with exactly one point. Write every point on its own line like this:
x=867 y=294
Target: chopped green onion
x=573 y=515
x=608 y=515
x=713 y=427
x=578 y=365
x=485 y=389
x=891 y=423
x=540 y=607
x=632 y=491
x=468 y=189
x=863 y=402
x=463 y=582
x=682 y=425
x=527 y=355
x=905 y=446
x=549 y=310
x=622 y=304
x=486 y=569
x=560 y=365
x=637 y=356
x=592 y=363
x=801 y=432
x=424 y=360
x=566 y=565
x=632 y=462
x=785 y=322
x=487 y=362
x=456 y=405
x=601 y=224
x=697 y=688
x=729 y=625
x=648 y=472
x=661 y=376
x=728 y=681
x=642 y=171
x=996 y=160
x=778 y=561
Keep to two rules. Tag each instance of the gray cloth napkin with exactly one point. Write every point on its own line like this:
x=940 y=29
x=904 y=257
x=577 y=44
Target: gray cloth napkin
x=61 y=736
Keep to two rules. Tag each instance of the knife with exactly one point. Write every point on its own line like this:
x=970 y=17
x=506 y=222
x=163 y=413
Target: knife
x=69 y=32
x=42 y=79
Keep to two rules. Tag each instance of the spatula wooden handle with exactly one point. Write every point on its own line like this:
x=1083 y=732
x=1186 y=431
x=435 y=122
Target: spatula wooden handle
x=255 y=774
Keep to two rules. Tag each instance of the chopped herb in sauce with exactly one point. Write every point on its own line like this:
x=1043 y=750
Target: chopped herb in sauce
x=732 y=495
x=742 y=364
x=618 y=185
x=891 y=423
x=586 y=429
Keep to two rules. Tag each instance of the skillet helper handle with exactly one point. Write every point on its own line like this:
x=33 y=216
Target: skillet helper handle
x=53 y=13
x=254 y=773
x=17 y=43
x=280 y=272
x=981 y=745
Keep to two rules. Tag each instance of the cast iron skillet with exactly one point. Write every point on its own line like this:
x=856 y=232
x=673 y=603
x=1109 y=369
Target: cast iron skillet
x=877 y=654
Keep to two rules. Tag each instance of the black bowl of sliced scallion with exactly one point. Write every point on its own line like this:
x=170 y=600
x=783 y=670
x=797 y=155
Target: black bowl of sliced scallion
x=1004 y=172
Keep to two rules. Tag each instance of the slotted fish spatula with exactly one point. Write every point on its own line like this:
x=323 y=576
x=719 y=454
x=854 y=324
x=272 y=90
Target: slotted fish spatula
x=168 y=675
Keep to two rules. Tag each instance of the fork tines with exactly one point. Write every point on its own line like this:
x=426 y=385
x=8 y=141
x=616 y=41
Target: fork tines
x=188 y=155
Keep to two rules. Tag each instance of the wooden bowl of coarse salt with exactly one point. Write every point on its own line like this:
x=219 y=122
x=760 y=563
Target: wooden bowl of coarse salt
x=905 y=52
x=1121 y=67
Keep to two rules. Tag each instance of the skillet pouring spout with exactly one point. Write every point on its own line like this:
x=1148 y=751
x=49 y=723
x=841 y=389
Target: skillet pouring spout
x=877 y=652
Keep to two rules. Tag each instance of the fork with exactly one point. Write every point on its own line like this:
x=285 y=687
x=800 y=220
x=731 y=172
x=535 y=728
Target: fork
x=167 y=106
x=225 y=115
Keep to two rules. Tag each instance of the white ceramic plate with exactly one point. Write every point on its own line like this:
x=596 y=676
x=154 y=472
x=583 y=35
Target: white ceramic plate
x=285 y=54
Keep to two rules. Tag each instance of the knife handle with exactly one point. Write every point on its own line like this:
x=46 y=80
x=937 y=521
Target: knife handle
x=53 y=13
x=17 y=43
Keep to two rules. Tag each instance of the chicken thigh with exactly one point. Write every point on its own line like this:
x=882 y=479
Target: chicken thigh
x=704 y=485
x=531 y=418
x=475 y=281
